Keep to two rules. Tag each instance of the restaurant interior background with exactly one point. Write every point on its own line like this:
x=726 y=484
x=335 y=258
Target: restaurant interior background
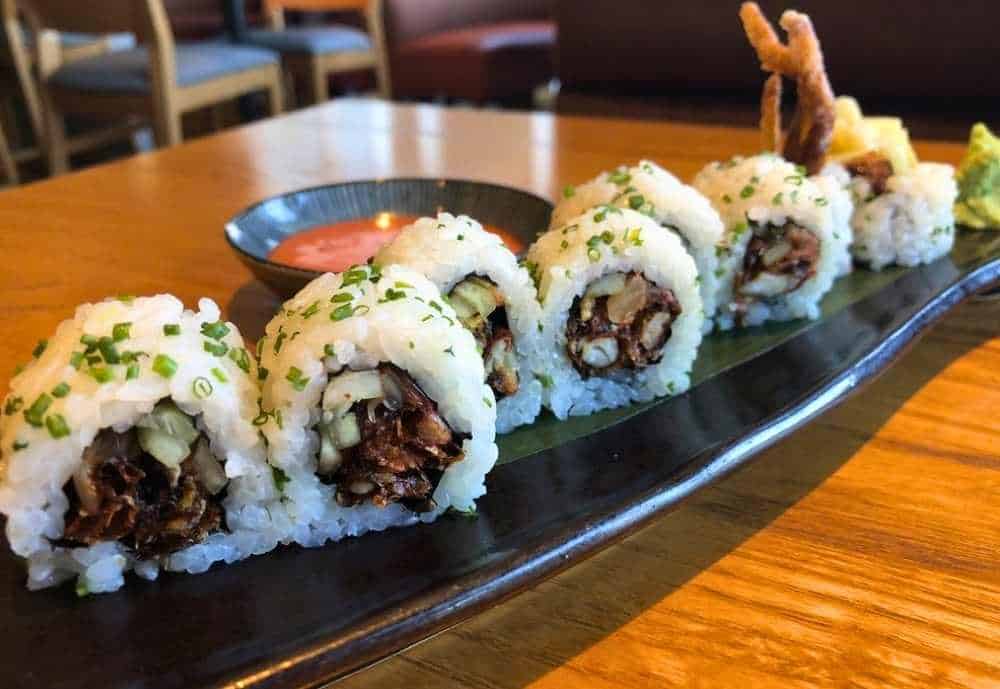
x=88 y=82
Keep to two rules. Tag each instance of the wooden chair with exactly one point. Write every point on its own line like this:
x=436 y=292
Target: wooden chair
x=18 y=82
x=159 y=79
x=311 y=54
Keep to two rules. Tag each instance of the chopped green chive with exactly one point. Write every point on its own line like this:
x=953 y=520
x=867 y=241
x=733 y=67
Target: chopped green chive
x=544 y=379
x=280 y=478
x=202 y=387
x=90 y=341
x=727 y=198
x=821 y=201
x=126 y=298
x=392 y=295
x=20 y=445
x=312 y=310
x=594 y=255
x=216 y=331
x=215 y=348
x=795 y=179
x=278 y=341
x=36 y=412
x=569 y=191
x=620 y=177
x=132 y=372
x=776 y=201
x=121 y=332
x=40 y=348
x=61 y=390
x=296 y=379
x=564 y=245
x=101 y=374
x=56 y=423
x=437 y=307
x=76 y=359
x=399 y=284
x=450 y=350
x=426 y=318
x=241 y=357
x=488 y=402
x=636 y=202
x=341 y=297
x=219 y=375
x=13 y=406
x=171 y=329
x=329 y=350
x=342 y=312
x=108 y=350
x=262 y=373
x=94 y=359
x=164 y=366
x=747 y=191
x=353 y=277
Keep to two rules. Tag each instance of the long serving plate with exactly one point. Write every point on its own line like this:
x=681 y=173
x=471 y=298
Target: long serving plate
x=297 y=617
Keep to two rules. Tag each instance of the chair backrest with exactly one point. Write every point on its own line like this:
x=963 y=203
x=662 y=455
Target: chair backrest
x=146 y=19
x=315 y=5
x=405 y=20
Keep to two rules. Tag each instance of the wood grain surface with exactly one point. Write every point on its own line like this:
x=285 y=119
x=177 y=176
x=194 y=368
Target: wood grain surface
x=861 y=552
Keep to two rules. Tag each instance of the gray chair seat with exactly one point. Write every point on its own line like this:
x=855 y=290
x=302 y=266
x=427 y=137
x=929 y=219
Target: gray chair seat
x=127 y=71
x=312 y=40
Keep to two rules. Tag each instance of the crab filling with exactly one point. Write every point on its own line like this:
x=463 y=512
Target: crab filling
x=382 y=440
x=622 y=321
x=778 y=260
x=480 y=308
x=156 y=488
x=875 y=168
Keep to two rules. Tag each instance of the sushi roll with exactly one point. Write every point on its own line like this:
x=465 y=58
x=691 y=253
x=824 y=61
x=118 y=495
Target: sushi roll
x=378 y=413
x=781 y=255
x=621 y=311
x=834 y=184
x=493 y=296
x=903 y=208
x=128 y=443
x=651 y=190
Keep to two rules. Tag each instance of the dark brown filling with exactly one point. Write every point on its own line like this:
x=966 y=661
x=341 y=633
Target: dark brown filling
x=778 y=260
x=495 y=340
x=404 y=449
x=621 y=331
x=874 y=167
x=139 y=501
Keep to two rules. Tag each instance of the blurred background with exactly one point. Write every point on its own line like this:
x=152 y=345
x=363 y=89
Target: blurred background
x=88 y=82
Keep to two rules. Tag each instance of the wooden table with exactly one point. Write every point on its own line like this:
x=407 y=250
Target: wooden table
x=863 y=551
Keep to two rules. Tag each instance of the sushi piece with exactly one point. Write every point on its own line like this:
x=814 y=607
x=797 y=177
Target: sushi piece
x=378 y=413
x=621 y=311
x=781 y=255
x=128 y=443
x=494 y=298
x=651 y=190
x=903 y=208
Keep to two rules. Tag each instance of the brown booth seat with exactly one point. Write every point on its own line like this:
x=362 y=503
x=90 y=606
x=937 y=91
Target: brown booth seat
x=476 y=63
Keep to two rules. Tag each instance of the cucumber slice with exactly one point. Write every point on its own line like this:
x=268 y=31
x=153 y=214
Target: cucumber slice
x=168 y=449
x=168 y=419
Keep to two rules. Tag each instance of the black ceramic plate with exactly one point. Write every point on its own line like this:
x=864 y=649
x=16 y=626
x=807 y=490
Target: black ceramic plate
x=256 y=231
x=296 y=617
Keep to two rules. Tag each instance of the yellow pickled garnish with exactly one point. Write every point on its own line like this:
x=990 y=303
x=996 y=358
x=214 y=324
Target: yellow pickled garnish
x=978 y=178
x=854 y=135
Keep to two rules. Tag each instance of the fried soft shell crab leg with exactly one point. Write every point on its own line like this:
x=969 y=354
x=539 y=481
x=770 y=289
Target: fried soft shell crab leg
x=801 y=59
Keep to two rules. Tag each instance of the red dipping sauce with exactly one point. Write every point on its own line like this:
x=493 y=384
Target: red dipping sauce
x=341 y=245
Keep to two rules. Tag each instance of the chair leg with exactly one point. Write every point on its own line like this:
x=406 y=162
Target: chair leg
x=167 y=127
x=56 y=147
x=276 y=95
x=320 y=85
x=7 y=159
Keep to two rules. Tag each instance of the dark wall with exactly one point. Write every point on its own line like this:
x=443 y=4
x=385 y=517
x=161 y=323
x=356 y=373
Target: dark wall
x=876 y=47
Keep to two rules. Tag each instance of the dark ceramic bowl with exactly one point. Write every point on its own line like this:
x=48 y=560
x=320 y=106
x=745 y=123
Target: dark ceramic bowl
x=256 y=231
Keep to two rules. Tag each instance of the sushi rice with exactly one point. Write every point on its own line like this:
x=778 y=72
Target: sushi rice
x=354 y=321
x=566 y=260
x=219 y=391
x=767 y=190
x=447 y=249
x=912 y=223
x=652 y=190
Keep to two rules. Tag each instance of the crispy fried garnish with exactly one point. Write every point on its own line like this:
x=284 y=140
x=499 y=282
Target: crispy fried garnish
x=809 y=134
x=770 y=113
